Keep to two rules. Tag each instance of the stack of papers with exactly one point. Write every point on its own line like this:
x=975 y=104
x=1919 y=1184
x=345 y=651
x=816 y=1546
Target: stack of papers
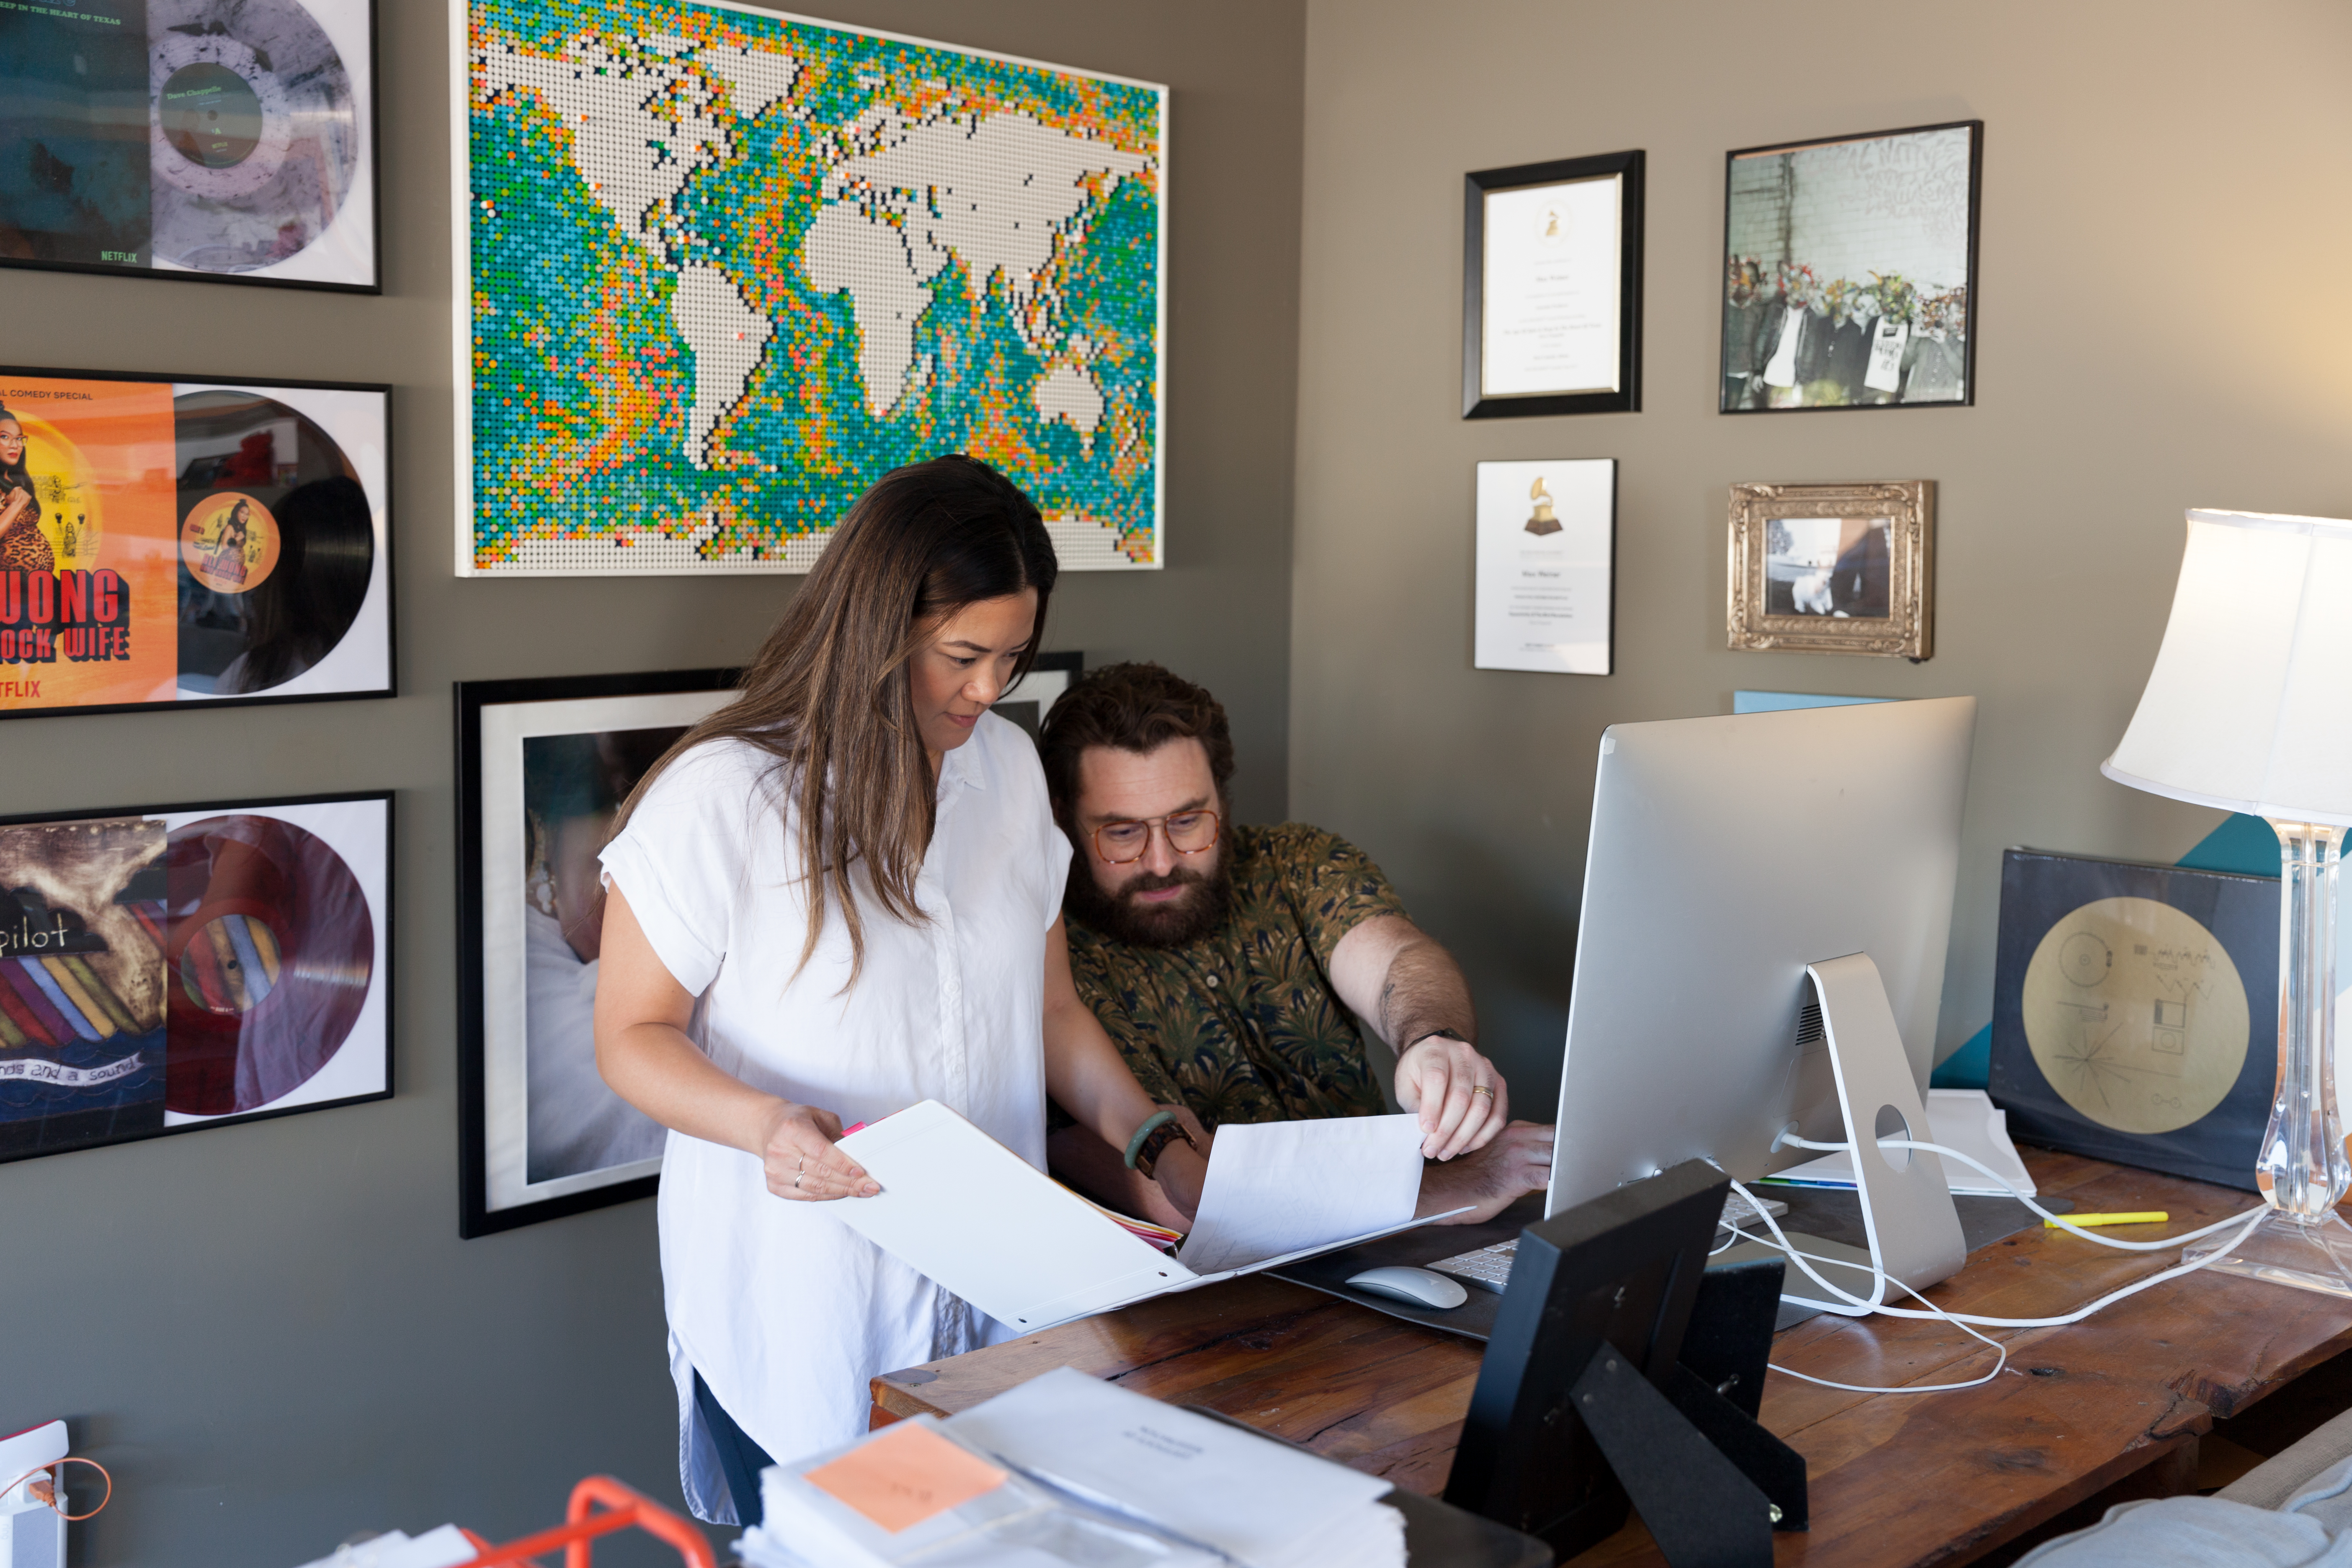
x=1066 y=1469
x=963 y=1209
x=443 y=1548
x=1962 y=1118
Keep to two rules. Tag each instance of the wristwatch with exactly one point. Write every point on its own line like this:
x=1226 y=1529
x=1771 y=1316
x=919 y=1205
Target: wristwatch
x=1152 y=1139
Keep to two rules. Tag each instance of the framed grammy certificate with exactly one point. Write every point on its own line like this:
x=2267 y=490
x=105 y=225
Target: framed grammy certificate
x=1551 y=288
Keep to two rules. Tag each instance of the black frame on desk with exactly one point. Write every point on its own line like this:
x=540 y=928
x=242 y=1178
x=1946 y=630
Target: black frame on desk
x=1627 y=167
x=479 y=989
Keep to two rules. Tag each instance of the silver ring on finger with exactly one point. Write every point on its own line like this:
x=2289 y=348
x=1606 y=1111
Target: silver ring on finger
x=796 y=1183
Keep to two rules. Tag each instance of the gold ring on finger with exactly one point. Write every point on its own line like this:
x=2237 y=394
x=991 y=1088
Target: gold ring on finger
x=1482 y=1089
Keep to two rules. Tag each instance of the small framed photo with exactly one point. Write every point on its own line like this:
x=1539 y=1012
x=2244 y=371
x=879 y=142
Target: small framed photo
x=229 y=140
x=166 y=541
x=2133 y=1014
x=1833 y=569
x=1546 y=557
x=187 y=966
x=543 y=766
x=1849 y=271
x=1551 y=288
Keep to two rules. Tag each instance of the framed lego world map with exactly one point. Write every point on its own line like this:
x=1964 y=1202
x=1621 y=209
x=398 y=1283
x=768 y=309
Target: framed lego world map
x=727 y=267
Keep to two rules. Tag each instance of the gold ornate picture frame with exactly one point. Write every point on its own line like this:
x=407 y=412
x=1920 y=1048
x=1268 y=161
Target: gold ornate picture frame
x=1833 y=569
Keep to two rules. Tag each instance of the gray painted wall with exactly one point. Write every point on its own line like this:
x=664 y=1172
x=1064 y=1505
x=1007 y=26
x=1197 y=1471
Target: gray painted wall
x=272 y=1334
x=2155 y=247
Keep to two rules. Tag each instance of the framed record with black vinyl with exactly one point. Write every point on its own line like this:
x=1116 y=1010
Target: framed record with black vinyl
x=231 y=140
x=166 y=539
x=183 y=966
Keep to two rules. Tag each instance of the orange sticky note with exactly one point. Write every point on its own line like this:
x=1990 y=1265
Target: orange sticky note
x=905 y=1477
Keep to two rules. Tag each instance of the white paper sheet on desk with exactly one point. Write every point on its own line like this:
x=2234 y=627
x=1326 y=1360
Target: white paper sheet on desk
x=1276 y=1186
x=1245 y=1494
x=1963 y=1119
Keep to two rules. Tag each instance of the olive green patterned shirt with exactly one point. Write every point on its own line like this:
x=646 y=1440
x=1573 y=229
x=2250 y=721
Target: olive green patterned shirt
x=1242 y=1025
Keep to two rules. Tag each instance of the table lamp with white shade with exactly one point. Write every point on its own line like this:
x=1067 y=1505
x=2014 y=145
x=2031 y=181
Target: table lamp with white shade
x=2250 y=709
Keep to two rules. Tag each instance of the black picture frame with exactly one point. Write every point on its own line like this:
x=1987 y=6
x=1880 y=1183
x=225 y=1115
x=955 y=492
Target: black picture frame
x=478 y=882
x=369 y=159
x=383 y=578
x=1476 y=404
x=1744 y=351
x=88 y=1131
x=1028 y=700
x=2042 y=896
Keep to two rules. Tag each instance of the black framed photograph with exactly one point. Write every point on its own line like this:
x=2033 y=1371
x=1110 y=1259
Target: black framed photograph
x=2134 y=1011
x=174 y=540
x=543 y=768
x=1551 y=288
x=183 y=966
x=1028 y=699
x=1850 y=268
x=229 y=140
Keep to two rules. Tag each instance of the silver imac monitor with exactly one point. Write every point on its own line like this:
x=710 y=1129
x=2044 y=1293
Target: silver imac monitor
x=1739 y=869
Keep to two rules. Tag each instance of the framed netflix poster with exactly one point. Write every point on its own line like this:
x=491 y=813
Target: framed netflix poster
x=543 y=766
x=233 y=140
x=187 y=966
x=174 y=540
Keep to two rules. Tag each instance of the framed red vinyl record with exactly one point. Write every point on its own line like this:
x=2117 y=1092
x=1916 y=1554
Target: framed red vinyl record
x=183 y=966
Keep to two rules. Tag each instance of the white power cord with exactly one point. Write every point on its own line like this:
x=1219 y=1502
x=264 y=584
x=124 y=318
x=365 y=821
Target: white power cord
x=1962 y=1320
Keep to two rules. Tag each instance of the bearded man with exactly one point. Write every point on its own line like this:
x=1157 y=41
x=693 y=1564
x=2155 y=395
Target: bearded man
x=1236 y=967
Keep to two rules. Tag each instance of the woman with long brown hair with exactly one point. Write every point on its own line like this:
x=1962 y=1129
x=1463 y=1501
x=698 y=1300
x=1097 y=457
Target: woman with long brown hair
x=836 y=897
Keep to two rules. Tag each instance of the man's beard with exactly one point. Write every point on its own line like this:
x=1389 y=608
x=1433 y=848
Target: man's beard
x=1175 y=923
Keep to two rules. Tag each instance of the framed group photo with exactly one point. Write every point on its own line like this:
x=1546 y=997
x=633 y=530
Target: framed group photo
x=229 y=140
x=1833 y=569
x=173 y=540
x=1849 y=271
x=1551 y=288
x=188 y=966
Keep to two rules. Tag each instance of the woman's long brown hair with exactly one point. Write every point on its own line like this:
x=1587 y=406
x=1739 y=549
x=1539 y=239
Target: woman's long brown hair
x=828 y=695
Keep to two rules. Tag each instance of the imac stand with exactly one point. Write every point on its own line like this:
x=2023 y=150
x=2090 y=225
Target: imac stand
x=1907 y=1205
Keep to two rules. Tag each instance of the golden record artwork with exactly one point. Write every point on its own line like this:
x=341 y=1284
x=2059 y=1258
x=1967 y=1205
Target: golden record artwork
x=2135 y=1014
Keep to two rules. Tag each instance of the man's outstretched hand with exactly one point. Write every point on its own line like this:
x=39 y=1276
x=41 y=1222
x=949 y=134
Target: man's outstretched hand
x=1488 y=1179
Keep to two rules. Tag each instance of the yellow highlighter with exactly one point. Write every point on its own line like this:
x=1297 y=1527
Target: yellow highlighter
x=2149 y=1217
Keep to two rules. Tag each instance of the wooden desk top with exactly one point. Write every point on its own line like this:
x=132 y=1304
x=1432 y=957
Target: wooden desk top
x=1902 y=1478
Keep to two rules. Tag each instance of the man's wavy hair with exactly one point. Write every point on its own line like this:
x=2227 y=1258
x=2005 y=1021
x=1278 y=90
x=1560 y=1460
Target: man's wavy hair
x=1136 y=708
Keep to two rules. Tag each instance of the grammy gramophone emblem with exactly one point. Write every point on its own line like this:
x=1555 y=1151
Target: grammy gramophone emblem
x=1543 y=522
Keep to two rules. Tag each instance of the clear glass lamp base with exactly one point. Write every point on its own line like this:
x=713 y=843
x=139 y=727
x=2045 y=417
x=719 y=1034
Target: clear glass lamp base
x=2314 y=1257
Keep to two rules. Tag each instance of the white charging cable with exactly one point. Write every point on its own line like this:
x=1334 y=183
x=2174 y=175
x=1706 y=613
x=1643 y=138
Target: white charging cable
x=1963 y=1320
x=2061 y=1221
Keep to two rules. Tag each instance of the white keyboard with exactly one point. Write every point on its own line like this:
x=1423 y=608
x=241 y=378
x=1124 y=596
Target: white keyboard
x=1489 y=1268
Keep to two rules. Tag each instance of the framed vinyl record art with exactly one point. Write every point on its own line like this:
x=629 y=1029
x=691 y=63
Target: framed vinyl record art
x=543 y=766
x=2133 y=1012
x=189 y=966
x=174 y=540
x=232 y=140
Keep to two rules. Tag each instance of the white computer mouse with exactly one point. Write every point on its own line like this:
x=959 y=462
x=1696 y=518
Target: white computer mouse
x=1420 y=1287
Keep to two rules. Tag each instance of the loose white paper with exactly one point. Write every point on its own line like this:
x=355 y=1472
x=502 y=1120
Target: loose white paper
x=1275 y=1187
x=1251 y=1498
x=1962 y=1118
x=1547 y=543
x=1549 y=297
